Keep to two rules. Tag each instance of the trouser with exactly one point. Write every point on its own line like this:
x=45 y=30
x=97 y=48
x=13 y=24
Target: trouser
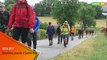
x=59 y=39
x=3 y=28
x=72 y=36
x=23 y=32
x=65 y=37
x=80 y=36
x=33 y=37
x=50 y=37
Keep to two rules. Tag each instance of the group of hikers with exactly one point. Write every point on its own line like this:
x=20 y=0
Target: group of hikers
x=23 y=23
x=64 y=32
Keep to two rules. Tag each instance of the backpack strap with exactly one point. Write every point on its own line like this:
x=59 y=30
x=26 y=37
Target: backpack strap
x=17 y=6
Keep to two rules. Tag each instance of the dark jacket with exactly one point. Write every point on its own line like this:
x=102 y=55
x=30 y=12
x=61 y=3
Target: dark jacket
x=4 y=18
x=20 y=17
x=36 y=24
x=59 y=30
x=50 y=30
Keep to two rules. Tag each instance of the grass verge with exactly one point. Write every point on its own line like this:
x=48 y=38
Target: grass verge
x=90 y=49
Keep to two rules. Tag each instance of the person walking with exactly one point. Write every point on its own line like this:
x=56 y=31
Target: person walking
x=22 y=20
x=34 y=35
x=50 y=32
x=4 y=18
x=72 y=32
x=65 y=29
x=80 y=33
x=59 y=34
x=66 y=23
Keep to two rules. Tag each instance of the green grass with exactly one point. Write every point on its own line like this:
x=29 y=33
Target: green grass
x=91 y=49
x=99 y=22
x=48 y=19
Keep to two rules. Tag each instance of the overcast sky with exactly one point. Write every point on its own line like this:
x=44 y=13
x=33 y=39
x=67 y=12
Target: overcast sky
x=32 y=2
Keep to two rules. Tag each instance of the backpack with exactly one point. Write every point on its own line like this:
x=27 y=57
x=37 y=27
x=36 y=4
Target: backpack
x=51 y=30
x=17 y=6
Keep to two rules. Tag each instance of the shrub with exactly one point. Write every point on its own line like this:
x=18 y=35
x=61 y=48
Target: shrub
x=43 y=26
x=41 y=34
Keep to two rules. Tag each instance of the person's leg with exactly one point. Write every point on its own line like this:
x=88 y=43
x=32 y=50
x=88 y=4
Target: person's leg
x=29 y=43
x=61 y=38
x=67 y=36
x=79 y=36
x=66 y=41
x=58 y=39
x=4 y=30
x=16 y=33
x=49 y=38
x=72 y=36
x=24 y=35
x=82 y=35
x=35 y=40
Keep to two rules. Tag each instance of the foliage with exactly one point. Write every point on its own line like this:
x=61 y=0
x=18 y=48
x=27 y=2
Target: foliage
x=87 y=16
x=44 y=7
x=8 y=4
x=43 y=26
x=65 y=10
x=41 y=34
x=98 y=12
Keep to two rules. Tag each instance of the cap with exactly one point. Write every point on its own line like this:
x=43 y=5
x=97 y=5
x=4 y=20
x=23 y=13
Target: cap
x=2 y=5
x=66 y=21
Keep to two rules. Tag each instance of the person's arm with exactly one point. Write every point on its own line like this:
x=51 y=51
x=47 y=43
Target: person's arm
x=53 y=30
x=57 y=30
x=38 y=24
x=11 y=18
x=47 y=31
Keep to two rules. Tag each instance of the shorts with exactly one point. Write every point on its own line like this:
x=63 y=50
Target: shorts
x=65 y=37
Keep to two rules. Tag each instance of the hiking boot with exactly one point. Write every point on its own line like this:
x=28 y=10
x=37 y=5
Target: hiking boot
x=65 y=43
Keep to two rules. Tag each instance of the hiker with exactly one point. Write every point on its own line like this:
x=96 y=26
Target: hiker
x=86 y=32
x=91 y=32
x=72 y=32
x=4 y=18
x=80 y=33
x=65 y=29
x=50 y=32
x=22 y=20
x=34 y=35
x=66 y=23
x=59 y=34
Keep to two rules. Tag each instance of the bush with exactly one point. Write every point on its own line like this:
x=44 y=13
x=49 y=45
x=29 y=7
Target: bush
x=41 y=34
x=43 y=26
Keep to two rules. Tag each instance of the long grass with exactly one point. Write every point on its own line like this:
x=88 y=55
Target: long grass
x=48 y=19
x=99 y=22
x=91 y=49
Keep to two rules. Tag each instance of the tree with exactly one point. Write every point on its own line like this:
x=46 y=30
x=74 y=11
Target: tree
x=98 y=11
x=44 y=7
x=87 y=16
x=8 y=4
x=65 y=10
x=39 y=9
